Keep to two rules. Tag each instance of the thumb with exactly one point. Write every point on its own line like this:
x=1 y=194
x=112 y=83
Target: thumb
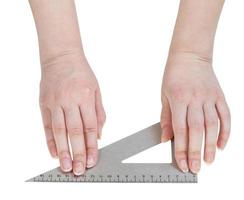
x=166 y=120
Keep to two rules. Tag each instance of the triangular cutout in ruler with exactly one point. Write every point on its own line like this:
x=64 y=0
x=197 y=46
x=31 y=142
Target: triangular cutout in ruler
x=110 y=168
x=160 y=153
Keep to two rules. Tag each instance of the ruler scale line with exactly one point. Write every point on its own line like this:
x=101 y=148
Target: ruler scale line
x=110 y=168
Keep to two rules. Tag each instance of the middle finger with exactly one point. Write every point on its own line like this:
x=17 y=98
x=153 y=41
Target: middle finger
x=75 y=132
x=195 y=119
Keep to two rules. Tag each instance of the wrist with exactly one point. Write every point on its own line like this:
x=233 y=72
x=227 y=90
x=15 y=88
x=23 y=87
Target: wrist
x=199 y=46
x=72 y=55
x=187 y=54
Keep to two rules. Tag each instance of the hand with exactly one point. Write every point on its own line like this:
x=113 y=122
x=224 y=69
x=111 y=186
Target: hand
x=192 y=103
x=71 y=107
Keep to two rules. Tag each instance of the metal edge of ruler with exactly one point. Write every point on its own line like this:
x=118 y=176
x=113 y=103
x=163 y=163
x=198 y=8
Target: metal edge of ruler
x=110 y=169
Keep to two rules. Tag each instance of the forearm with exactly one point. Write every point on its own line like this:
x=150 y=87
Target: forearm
x=195 y=27
x=57 y=28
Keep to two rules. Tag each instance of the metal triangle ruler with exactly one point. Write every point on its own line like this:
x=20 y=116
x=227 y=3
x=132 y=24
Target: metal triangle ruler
x=111 y=169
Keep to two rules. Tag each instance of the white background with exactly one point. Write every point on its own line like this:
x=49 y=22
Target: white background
x=126 y=43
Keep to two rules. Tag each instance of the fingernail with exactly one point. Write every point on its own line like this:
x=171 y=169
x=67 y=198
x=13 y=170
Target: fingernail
x=210 y=158
x=79 y=169
x=195 y=166
x=222 y=145
x=163 y=138
x=90 y=162
x=54 y=153
x=66 y=165
x=183 y=165
x=100 y=134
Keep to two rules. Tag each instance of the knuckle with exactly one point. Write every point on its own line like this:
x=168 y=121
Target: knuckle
x=211 y=122
x=90 y=130
x=194 y=154
x=59 y=98
x=64 y=154
x=92 y=149
x=180 y=154
x=226 y=115
x=59 y=130
x=87 y=91
x=225 y=111
x=44 y=99
x=180 y=129
x=79 y=157
x=176 y=93
x=165 y=125
x=220 y=96
x=196 y=125
x=102 y=119
x=47 y=128
x=62 y=96
x=51 y=143
x=165 y=117
x=197 y=94
x=75 y=131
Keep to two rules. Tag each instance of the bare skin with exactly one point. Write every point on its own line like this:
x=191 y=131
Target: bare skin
x=71 y=102
x=193 y=101
x=71 y=106
x=192 y=104
x=70 y=98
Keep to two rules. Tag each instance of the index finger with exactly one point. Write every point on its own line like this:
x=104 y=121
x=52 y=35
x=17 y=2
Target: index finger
x=179 y=111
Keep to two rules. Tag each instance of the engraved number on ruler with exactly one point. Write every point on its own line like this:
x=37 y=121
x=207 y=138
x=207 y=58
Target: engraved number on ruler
x=113 y=178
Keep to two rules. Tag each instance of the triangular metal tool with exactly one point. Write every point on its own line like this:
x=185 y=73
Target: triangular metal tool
x=110 y=169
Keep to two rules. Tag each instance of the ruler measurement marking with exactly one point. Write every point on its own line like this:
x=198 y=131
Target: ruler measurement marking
x=115 y=178
x=129 y=172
